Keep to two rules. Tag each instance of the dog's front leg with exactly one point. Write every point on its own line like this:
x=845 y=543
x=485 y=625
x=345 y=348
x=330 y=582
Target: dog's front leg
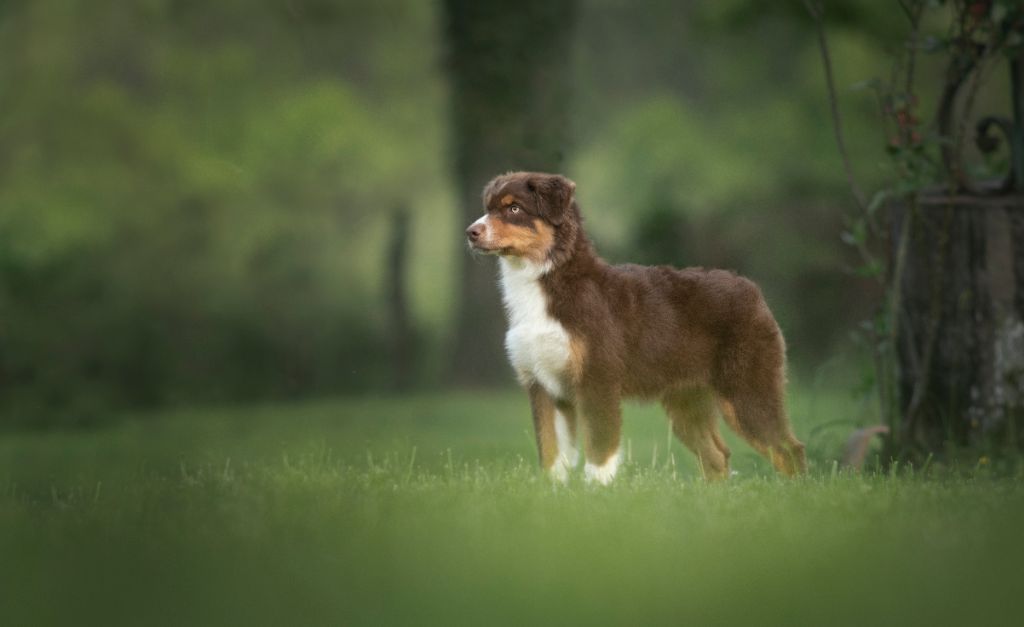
x=602 y=419
x=554 y=425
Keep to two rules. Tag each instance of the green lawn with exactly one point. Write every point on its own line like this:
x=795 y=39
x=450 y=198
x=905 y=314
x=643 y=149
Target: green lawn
x=429 y=510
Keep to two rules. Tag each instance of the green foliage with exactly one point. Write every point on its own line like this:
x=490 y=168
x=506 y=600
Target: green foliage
x=192 y=197
x=701 y=167
x=960 y=40
x=429 y=510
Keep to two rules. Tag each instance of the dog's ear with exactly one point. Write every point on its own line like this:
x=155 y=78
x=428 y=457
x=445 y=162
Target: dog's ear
x=554 y=196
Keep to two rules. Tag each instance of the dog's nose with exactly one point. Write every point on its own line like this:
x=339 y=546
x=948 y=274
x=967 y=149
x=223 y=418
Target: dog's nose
x=474 y=232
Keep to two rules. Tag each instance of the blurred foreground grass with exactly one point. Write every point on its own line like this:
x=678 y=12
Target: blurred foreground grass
x=429 y=510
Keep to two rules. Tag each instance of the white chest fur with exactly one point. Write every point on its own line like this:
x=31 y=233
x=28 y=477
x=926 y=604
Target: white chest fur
x=537 y=344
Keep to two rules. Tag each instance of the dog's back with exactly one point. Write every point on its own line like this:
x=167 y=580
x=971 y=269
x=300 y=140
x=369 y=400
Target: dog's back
x=653 y=328
x=584 y=334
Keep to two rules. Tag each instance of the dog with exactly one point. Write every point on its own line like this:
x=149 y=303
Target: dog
x=584 y=334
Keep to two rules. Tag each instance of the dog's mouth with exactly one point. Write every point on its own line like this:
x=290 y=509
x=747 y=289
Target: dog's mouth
x=482 y=248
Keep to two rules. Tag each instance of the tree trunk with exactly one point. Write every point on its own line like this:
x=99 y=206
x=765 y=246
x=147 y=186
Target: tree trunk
x=403 y=348
x=960 y=344
x=509 y=68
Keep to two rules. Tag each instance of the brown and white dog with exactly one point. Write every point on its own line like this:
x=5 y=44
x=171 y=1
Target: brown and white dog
x=584 y=334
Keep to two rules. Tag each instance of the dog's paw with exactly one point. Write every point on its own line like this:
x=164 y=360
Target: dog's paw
x=604 y=473
x=559 y=471
x=570 y=457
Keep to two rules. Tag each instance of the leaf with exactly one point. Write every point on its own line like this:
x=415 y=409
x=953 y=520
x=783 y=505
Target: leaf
x=932 y=44
x=856 y=235
x=999 y=12
x=879 y=199
x=871 y=83
x=870 y=270
x=1013 y=40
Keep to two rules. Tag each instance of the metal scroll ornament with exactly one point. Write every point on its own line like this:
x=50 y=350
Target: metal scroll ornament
x=990 y=131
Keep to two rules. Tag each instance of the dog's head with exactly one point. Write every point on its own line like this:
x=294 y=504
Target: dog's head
x=523 y=211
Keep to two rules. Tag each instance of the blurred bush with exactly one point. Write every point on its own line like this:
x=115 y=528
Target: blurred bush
x=186 y=194
x=195 y=197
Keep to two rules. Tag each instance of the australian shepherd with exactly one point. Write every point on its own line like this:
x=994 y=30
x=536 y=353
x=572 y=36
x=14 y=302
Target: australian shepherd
x=583 y=335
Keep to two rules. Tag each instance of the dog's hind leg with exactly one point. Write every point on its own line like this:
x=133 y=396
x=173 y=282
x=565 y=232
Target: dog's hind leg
x=759 y=417
x=695 y=422
x=750 y=382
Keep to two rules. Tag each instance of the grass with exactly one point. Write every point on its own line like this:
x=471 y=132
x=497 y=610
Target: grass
x=429 y=510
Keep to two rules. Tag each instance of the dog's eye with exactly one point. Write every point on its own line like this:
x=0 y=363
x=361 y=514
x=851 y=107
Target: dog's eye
x=513 y=208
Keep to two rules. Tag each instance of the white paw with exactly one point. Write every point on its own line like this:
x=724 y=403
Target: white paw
x=604 y=473
x=559 y=471
x=571 y=458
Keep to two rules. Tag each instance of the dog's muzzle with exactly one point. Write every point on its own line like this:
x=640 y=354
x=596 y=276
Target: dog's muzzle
x=475 y=232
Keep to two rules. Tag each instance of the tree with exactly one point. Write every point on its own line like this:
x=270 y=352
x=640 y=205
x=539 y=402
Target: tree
x=509 y=68
x=948 y=342
x=960 y=338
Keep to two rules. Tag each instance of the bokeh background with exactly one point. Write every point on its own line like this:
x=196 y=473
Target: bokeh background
x=249 y=373
x=247 y=200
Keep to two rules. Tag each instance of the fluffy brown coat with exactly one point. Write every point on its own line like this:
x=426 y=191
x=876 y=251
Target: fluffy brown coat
x=700 y=341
